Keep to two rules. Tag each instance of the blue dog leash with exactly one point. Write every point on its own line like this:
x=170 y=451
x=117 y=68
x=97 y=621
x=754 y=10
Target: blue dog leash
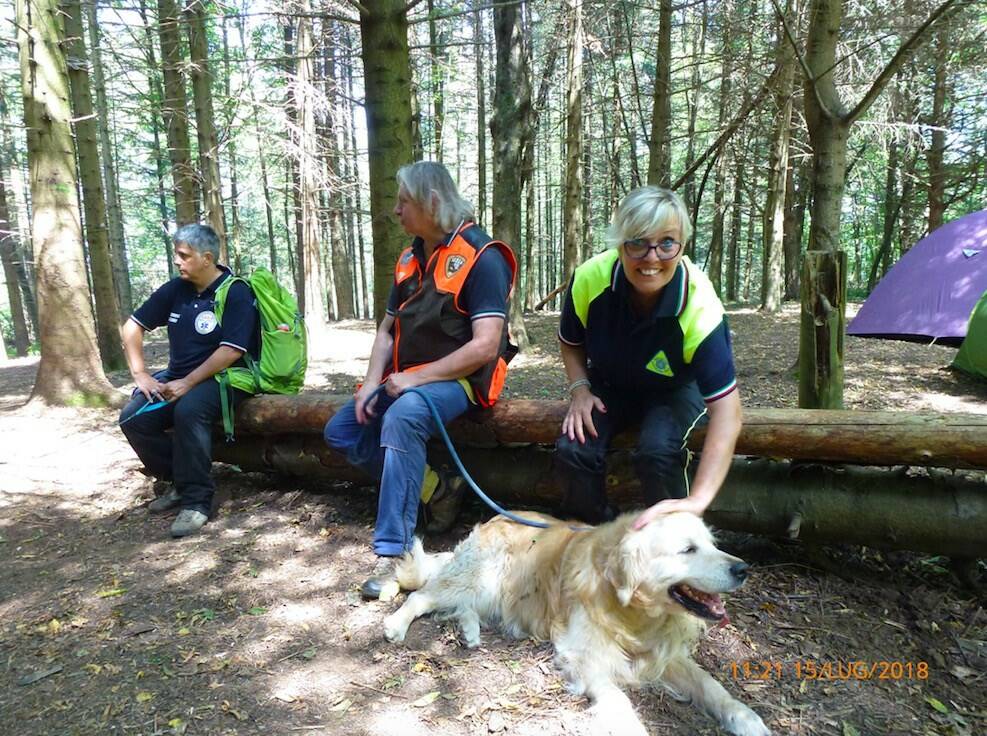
x=459 y=463
x=144 y=409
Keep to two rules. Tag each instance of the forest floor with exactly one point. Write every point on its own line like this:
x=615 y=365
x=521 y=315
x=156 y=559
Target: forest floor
x=255 y=626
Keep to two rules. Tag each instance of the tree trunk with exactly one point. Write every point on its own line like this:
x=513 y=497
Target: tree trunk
x=174 y=109
x=821 y=334
x=230 y=137
x=510 y=129
x=733 y=250
x=693 y=101
x=8 y=240
x=69 y=371
x=114 y=214
x=796 y=199
x=154 y=84
x=572 y=212
x=387 y=75
x=436 y=59
x=313 y=282
x=205 y=123
x=939 y=121
x=356 y=209
x=660 y=149
x=87 y=147
x=773 y=258
x=481 y=117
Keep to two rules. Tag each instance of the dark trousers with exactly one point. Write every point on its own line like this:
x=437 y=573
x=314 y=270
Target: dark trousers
x=183 y=455
x=660 y=459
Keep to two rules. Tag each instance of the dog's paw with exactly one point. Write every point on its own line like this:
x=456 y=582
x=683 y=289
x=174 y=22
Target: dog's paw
x=745 y=722
x=394 y=628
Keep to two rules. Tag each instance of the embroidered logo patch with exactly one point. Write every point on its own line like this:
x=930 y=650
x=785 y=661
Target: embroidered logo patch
x=453 y=264
x=205 y=322
x=406 y=258
x=659 y=364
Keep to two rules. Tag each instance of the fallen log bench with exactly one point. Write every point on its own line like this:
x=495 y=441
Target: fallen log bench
x=811 y=474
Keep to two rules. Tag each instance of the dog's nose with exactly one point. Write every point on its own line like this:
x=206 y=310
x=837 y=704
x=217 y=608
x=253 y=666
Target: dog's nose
x=739 y=570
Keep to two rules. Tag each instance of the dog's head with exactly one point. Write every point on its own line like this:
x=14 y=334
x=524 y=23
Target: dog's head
x=670 y=565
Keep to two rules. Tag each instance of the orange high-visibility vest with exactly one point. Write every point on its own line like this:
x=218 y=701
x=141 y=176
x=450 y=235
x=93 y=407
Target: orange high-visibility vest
x=429 y=322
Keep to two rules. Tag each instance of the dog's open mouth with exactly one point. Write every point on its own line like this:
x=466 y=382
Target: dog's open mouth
x=702 y=604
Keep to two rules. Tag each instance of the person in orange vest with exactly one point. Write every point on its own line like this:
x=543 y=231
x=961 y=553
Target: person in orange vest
x=444 y=333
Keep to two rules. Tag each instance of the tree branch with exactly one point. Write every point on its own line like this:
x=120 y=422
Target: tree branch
x=802 y=63
x=732 y=127
x=896 y=61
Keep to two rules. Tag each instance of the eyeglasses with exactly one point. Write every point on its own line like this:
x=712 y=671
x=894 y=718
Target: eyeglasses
x=665 y=249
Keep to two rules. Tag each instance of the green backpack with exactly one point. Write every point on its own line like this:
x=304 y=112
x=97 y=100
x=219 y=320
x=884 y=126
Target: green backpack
x=283 y=341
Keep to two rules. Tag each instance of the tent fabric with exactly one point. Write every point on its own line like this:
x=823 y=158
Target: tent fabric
x=972 y=355
x=929 y=293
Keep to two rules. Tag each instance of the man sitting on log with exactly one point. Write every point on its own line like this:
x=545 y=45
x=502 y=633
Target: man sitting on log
x=185 y=397
x=445 y=333
x=644 y=341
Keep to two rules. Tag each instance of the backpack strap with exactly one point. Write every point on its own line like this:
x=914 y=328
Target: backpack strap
x=225 y=388
x=226 y=401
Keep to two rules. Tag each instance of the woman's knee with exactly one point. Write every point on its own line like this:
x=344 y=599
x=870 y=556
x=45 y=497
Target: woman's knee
x=588 y=456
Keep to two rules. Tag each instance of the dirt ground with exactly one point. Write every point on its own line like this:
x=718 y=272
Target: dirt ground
x=255 y=626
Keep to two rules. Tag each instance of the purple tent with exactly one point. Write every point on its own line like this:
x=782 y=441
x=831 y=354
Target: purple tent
x=929 y=294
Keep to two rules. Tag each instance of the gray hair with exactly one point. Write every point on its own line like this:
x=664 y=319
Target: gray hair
x=429 y=184
x=646 y=210
x=201 y=238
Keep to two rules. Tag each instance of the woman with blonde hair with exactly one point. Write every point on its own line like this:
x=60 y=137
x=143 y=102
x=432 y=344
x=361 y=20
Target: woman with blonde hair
x=644 y=340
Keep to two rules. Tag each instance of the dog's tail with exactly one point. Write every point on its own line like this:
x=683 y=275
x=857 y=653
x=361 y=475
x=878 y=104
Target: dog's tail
x=416 y=567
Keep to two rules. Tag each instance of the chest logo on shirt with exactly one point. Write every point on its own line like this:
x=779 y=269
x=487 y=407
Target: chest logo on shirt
x=659 y=364
x=453 y=264
x=205 y=322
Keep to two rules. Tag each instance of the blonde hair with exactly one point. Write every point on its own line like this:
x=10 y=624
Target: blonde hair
x=429 y=184
x=646 y=210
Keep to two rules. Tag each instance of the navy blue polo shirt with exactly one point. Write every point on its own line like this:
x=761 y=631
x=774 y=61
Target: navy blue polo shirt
x=485 y=291
x=194 y=333
x=684 y=339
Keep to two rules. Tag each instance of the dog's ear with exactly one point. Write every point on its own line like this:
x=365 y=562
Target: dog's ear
x=622 y=569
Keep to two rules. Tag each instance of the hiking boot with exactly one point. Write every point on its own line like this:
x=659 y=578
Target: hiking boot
x=381 y=585
x=442 y=508
x=188 y=521
x=167 y=499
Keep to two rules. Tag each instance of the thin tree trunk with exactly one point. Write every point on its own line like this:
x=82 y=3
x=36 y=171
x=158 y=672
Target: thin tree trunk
x=660 y=162
x=773 y=258
x=573 y=207
x=733 y=249
x=356 y=210
x=510 y=130
x=205 y=123
x=87 y=148
x=436 y=58
x=481 y=117
x=230 y=137
x=262 y=158
x=174 y=109
x=695 y=93
x=114 y=214
x=387 y=75
x=69 y=370
x=310 y=257
x=157 y=95
x=939 y=121
x=796 y=200
x=8 y=240
x=341 y=262
x=295 y=255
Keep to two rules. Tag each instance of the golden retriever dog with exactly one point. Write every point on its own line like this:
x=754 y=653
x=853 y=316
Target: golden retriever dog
x=623 y=608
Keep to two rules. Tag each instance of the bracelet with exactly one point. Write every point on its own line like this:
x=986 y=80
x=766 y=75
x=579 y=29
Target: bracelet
x=576 y=384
